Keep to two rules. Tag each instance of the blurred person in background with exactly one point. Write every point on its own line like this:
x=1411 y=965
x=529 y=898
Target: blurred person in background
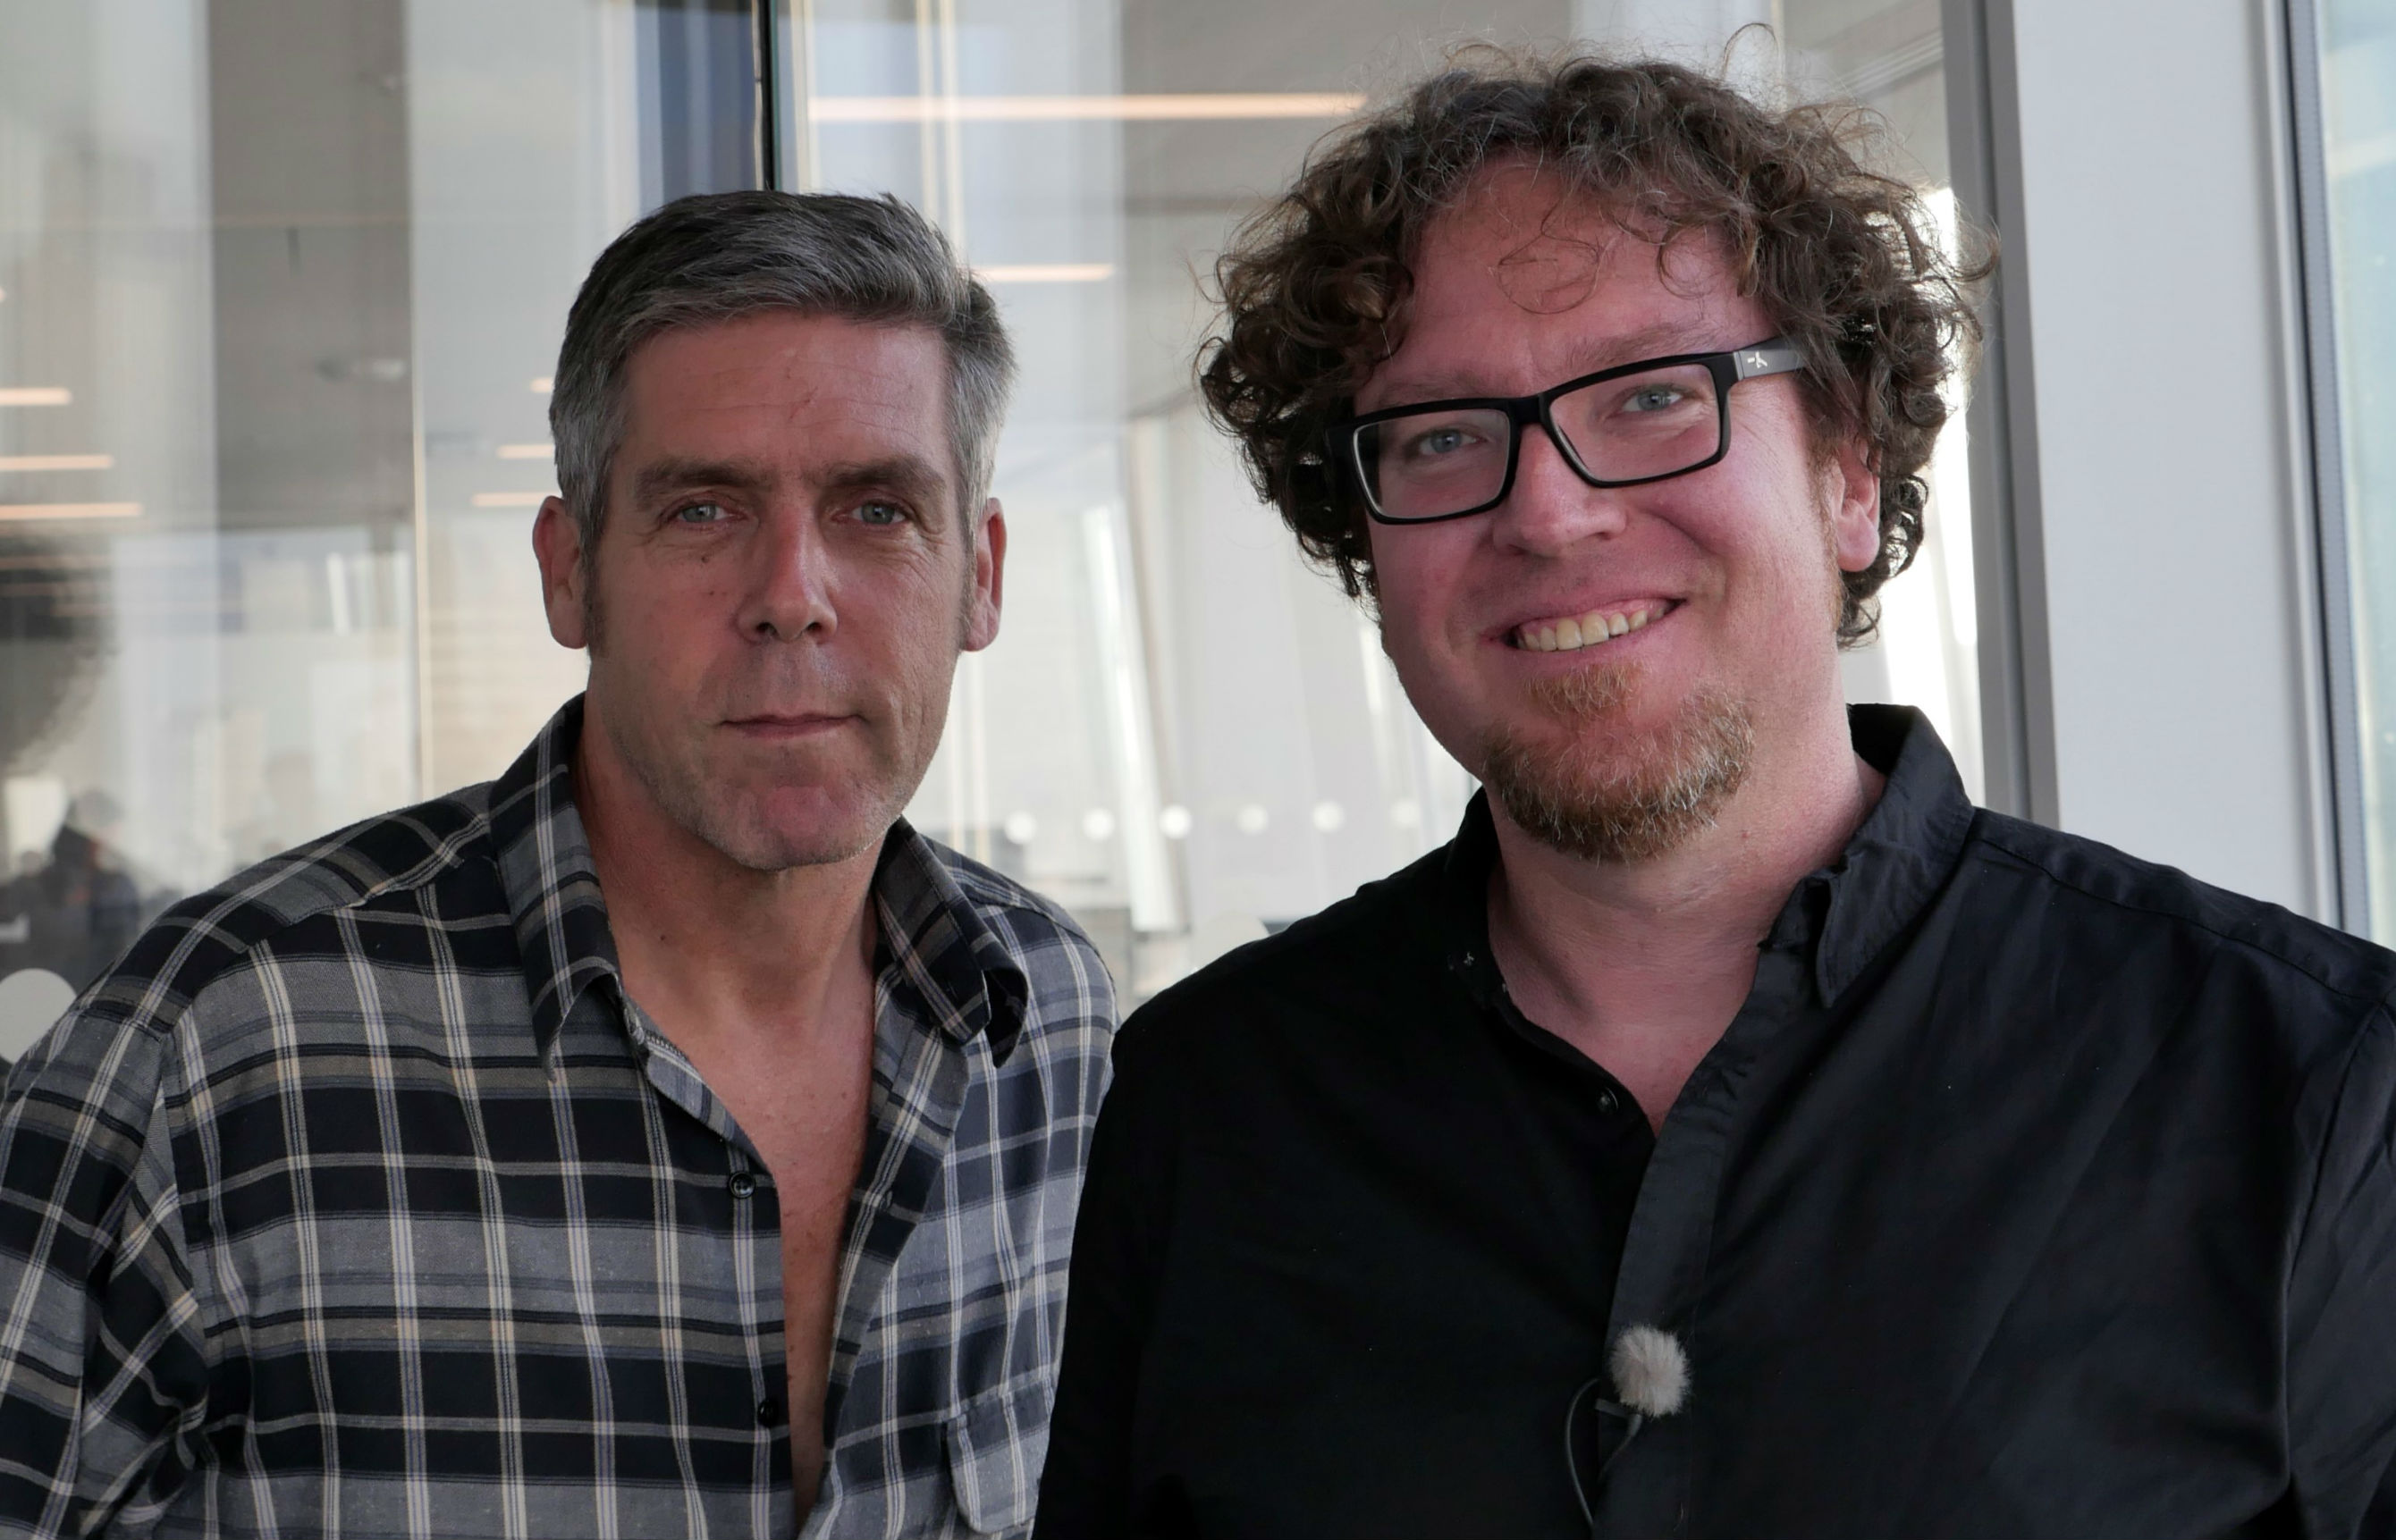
x=72 y=910
x=661 y=1140
x=71 y=902
x=1733 y=1133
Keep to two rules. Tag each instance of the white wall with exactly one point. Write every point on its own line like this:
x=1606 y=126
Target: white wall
x=2180 y=596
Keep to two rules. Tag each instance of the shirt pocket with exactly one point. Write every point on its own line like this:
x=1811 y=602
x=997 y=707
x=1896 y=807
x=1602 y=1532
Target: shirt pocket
x=997 y=1441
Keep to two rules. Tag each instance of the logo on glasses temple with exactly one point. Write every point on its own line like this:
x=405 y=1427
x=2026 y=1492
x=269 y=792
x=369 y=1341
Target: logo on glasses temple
x=1756 y=361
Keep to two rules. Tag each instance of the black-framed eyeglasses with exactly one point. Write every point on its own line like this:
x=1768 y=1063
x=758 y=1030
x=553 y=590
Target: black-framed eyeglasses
x=1620 y=427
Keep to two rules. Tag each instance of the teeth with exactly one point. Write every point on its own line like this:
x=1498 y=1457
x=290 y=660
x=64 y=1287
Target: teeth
x=1587 y=630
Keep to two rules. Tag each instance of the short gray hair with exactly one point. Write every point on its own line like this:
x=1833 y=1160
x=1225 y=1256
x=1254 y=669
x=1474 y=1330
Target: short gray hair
x=717 y=256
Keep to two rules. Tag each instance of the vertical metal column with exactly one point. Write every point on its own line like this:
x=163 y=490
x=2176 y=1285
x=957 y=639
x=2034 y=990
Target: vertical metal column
x=2008 y=538
x=765 y=67
x=2318 y=337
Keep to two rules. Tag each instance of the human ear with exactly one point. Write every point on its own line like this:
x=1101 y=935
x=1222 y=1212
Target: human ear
x=557 y=545
x=1854 y=506
x=989 y=576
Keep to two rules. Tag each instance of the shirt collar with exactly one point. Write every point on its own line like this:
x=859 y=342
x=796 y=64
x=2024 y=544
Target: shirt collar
x=545 y=869
x=967 y=980
x=1895 y=863
x=960 y=975
x=1901 y=856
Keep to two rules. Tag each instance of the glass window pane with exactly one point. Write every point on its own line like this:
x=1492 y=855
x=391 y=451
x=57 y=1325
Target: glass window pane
x=1891 y=58
x=2358 y=83
x=282 y=281
x=1183 y=732
x=280 y=285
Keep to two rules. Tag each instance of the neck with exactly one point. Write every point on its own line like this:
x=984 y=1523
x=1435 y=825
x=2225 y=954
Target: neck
x=712 y=948
x=1643 y=964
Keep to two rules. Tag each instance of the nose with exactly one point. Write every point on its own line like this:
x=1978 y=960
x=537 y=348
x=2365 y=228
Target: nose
x=1551 y=509
x=788 y=581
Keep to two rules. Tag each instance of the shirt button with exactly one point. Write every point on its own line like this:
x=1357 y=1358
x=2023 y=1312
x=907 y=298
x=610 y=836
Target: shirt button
x=742 y=1184
x=1607 y=1102
x=770 y=1412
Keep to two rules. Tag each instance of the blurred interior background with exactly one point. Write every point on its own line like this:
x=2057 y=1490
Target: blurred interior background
x=282 y=281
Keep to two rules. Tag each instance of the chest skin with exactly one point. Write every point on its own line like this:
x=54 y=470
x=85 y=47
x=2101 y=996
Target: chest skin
x=803 y=1102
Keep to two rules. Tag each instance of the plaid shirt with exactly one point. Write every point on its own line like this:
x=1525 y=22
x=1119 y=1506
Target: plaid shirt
x=358 y=1199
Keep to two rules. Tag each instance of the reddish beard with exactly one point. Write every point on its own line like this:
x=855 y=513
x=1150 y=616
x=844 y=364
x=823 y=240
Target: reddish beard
x=1604 y=789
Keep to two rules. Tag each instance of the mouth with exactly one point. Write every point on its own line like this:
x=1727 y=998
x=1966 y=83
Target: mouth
x=1592 y=629
x=792 y=726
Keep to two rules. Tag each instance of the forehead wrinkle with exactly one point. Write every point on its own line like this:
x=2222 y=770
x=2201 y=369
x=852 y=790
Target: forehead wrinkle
x=789 y=367
x=912 y=474
x=1657 y=339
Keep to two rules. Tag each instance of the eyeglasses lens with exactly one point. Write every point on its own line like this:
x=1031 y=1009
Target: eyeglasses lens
x=1642 y=425
x=1427 y=465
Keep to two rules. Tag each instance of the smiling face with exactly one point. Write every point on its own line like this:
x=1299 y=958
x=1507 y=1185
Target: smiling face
x=782 y=582
x=1614 y=662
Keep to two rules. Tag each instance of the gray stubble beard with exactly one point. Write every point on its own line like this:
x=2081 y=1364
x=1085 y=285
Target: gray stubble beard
x=680 y=792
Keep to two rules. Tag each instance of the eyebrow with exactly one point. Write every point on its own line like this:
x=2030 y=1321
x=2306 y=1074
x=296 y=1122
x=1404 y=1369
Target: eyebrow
x=1659 y=339
x=677 y=473
x=910 y=475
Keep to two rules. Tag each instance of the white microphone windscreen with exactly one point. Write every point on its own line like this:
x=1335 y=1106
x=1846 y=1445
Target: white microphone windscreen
x=1651 y=1371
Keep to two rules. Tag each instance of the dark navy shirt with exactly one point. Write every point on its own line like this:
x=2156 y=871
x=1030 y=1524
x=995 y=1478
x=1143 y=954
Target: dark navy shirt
x=2034 y=1191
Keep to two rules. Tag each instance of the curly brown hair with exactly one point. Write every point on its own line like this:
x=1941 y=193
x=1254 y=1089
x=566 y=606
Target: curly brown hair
x=1843 y=257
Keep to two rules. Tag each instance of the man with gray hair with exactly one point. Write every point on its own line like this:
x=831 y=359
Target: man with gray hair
x=663 y=1138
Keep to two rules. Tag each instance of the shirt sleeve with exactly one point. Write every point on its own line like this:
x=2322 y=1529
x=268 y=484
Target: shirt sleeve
x=101 y=1369
x=1086 y=1491
x=2342 y=1306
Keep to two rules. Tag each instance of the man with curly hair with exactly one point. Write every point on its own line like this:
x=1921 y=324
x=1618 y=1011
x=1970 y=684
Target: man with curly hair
x=1733 y=1132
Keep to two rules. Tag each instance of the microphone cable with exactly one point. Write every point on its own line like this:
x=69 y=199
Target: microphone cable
x=1649 y=1371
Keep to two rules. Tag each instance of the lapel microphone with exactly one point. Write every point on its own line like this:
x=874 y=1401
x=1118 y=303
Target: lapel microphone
x=1650 y=1375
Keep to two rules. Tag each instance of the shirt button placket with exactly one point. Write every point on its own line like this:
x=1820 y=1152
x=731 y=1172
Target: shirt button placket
x=742 y=1184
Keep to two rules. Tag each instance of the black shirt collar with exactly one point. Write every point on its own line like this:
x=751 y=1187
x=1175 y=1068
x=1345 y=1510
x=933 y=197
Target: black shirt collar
x=1905 y=851
x=1897 y=861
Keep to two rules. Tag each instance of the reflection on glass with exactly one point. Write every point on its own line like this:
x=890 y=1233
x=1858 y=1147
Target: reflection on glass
x=1184 y=735
x=205 y=465
x=281 y=284
x=279 y=281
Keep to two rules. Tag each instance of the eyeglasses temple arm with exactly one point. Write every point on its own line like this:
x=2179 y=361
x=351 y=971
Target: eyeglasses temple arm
x=1778 y=356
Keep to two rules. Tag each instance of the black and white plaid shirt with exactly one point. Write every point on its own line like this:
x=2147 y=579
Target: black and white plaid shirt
x=358 y=1201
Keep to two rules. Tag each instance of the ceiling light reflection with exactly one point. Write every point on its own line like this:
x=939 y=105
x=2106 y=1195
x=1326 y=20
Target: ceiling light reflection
x=1160 y=106
x=511 y=499
x=57 y=462
x=526 y=451
x=35 y=395
x=18 y=512
x=1047 y=272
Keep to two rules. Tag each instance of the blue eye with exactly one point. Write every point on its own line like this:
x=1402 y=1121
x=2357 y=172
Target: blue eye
x=880 y=514
x=1442 y=441
x=700 y=514
x=1653 y=398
